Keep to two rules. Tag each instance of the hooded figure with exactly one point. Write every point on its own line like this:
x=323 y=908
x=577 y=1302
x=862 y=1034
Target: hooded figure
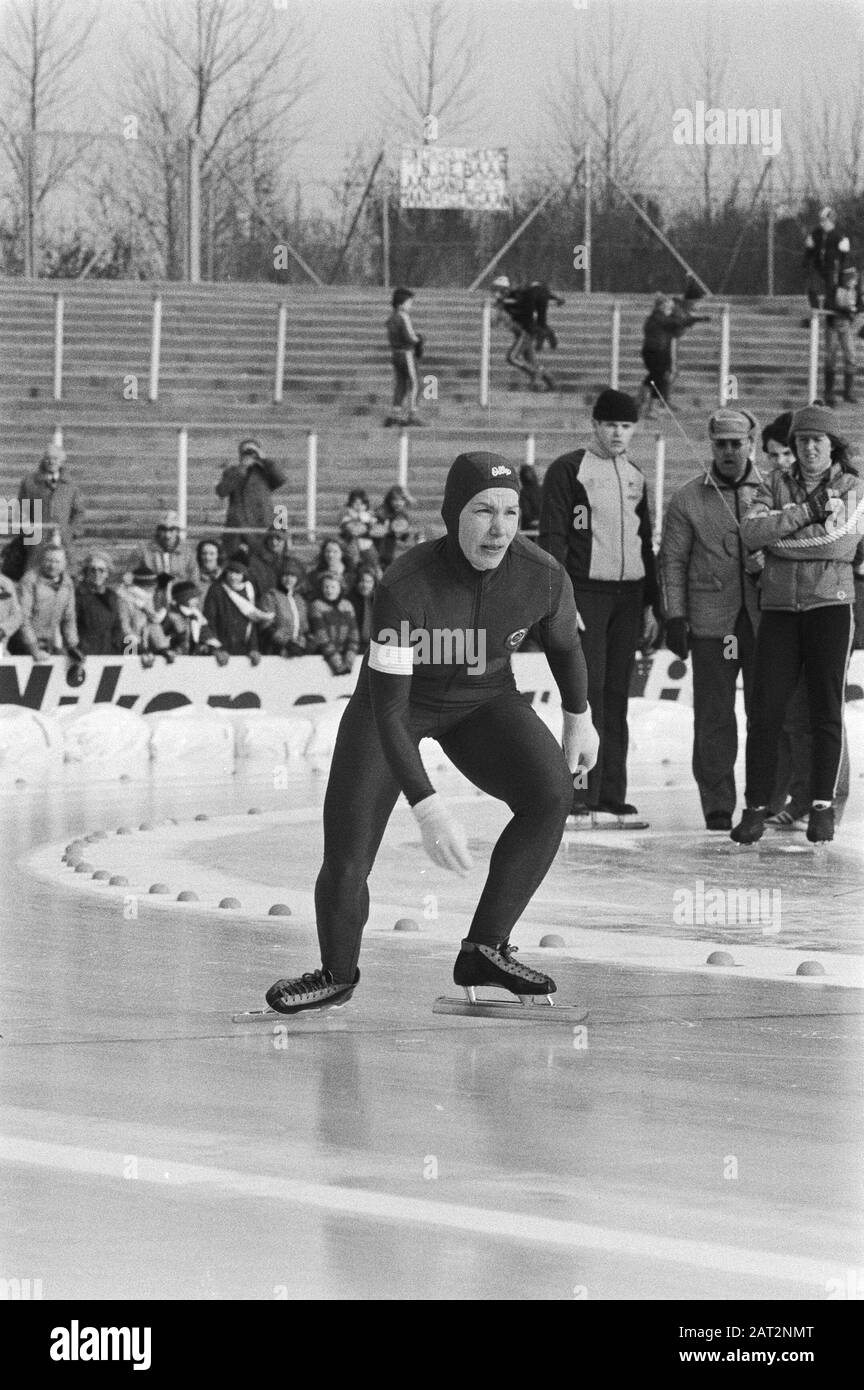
x=448 y=616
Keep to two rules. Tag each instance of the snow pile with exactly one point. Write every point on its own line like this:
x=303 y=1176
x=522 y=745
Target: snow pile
x=270 y=739
x=105 y=741
x=31 y=747
x=191 y=739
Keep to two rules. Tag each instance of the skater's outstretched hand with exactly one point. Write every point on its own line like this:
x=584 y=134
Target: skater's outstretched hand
x=444 y=839
x=581 y=740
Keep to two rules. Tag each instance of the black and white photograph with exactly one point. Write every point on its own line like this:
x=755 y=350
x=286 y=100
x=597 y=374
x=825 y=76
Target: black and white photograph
x=432 y=667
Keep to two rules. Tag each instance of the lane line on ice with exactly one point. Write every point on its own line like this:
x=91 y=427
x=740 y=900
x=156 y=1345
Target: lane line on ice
x=381 y=1206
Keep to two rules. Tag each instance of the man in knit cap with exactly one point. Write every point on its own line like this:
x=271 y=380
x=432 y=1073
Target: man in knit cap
x=710 y=597
x=594 y=520
x=448 y=615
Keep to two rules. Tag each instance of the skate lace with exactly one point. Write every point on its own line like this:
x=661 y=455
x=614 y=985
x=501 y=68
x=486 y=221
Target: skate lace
x=508 y=952
x=313 y=979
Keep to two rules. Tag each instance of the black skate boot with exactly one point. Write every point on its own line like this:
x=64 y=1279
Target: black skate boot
x=477 y=964
x=820 y=825
x=315 y=990
x=751 y=826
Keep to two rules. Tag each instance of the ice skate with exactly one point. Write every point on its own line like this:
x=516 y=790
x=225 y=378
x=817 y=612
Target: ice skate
x=494 y=966
x=750 y=828
x=316 y=989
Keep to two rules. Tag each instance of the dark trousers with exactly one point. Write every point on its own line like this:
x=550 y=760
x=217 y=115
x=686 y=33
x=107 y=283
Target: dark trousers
x=794 y=757
x=716 y=663
x=613 y=631
x=659 y=366
x=505 y=750
x=820 y=642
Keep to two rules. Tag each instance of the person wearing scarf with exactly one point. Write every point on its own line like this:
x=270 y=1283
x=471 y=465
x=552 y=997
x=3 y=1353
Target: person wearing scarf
x=232 y=613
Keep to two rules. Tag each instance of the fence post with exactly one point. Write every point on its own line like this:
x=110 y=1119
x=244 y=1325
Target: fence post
x=57 y=437
x=403 y=459
x=530 y=450
x=182 y=478
x=724 y=354
x=615 y=365
x=588 y=232
x=281 y=327
x=155 y=348
x=311 y=484
x=813 y=370
x=659 y=483
x=58 y=347
x=485 y=343
x=193 y=219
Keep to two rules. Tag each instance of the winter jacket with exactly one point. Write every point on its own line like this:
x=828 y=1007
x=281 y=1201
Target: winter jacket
x=188 y=633
x=10 y=610
x=61 y=508
x=400 y=332
x=250 y=502
x=660 y=330
x=826 y=253
x=292 y=618
x=807 y=564
x=100 y=622
x=179 y=563
x=48 y=621
x=594 y=519
x=706 y=573
x=334 y=630
x=237 y=633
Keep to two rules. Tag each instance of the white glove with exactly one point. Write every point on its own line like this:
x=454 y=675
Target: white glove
x=444 y=839
x=581 y=740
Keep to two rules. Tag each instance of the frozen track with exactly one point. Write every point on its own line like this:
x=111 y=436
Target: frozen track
x=701 y=1138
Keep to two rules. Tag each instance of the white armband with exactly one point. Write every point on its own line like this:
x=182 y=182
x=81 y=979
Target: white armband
x=391 y=660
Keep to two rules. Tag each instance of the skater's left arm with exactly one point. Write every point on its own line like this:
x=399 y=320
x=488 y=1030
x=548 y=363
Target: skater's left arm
x=390 y=670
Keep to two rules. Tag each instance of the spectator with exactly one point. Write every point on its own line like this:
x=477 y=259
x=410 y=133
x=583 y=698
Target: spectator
x=530 y=494
x=790 y=800
x=334 y=626
x=710 y=602
x=394 y=531
x=142 y=612
x=355 y=527
x=55 y=504
x=10 y=612
x=825 y=252
x=289 y=635
x=807 y=522
x=406 y=349
x=186 y=627
x=332 y=559
x=166 y=553
x=265 y=565
x=249 y=486
x=845 y=303
x=47 y=598
x=232 y=613
x=362 y=600
x=594 y=519
x=208 y=557
x=98 y=610
x=517 y=308
x=666 y=322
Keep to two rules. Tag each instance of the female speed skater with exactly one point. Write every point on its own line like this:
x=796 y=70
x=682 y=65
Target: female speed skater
x=447 y=617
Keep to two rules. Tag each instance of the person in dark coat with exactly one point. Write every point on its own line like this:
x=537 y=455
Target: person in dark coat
x=825 y=253
x=232 y=613
x=97 y=610
x=530 y=494
x=249 y=486
x=362 y=600
x=54 y=501
x=334 y=626
x=289 y=635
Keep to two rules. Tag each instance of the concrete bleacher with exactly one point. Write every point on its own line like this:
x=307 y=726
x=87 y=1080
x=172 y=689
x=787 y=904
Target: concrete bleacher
x=217 y=374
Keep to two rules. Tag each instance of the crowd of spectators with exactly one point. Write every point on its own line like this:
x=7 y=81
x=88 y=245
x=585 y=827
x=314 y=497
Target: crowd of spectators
x=243 y=592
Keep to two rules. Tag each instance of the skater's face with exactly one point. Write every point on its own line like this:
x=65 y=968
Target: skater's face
x=613 y=436
x=487 y=525
x=781 y=455
x=814 y=452
x=730 y=456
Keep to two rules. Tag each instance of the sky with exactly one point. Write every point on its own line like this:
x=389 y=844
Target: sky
x=780 y=54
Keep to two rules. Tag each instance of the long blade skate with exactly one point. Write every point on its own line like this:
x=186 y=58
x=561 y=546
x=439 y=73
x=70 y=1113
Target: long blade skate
x=276 y=1016
x=535 y=1008
x=601 y=820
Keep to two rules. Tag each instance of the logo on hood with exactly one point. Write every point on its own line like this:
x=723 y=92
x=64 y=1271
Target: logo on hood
x=516 y=638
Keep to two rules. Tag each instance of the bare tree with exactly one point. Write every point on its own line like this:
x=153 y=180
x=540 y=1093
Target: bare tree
x=231 y=74
x=432 y=54
x=599 y=98
x=833 y=140
x=43 y=41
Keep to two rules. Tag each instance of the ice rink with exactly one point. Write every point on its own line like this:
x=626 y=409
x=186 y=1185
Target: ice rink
x=698 y=1137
